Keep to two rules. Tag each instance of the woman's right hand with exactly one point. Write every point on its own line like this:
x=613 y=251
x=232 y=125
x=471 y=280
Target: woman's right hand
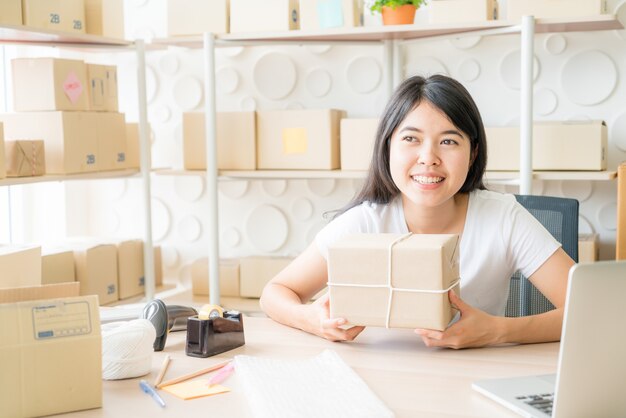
x=322 y=325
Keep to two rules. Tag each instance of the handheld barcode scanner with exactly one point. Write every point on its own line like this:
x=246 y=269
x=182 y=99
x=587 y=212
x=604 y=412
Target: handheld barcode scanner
x=213 y=331
x=165 y=319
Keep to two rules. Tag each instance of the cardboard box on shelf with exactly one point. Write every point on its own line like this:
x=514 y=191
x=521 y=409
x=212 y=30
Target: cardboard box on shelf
x=236 y=141
x=298 y=139
x=262 y=16
x=61 y=15
x=132 y=146
x=554 y=8
x=96 y=270
x=229 y=277
x=25 y=158
x=322 y=14
x=571 y=145
x=50 y=351
x=419 y=262
x=459 y=11
x=102 y=83
x=57 y=266
x=42 y=84
x=105 y=18
x=20 y=266
x=110 y=130
x=588 y=248
x=357 y=139
x=130 y=268
x=256 y=272
x=71 y=142
x=3 y=168
x=11 y=12
x=195 y=17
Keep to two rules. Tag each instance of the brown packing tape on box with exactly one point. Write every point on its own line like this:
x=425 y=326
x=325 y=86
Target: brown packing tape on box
x=25 y=158
x=393 y=280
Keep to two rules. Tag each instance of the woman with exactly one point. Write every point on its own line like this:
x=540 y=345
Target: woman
x=425 y=177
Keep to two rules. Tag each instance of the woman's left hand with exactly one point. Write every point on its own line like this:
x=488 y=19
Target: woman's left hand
x=474 y=328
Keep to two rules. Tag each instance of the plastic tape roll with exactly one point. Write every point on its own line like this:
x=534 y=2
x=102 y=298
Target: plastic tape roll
x=210 y=312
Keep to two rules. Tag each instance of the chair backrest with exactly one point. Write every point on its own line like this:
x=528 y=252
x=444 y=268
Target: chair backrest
x=620 y=236
x=560 y=217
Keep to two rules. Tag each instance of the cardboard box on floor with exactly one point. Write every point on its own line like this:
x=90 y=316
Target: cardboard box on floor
x=25 y=158
x=57 y=265
x=256 y=272
x=11 y=12
x=572 y=145
x=236 y=141
x=459 y=11
x=105 y=18
x=50 y=351
x=316 y=14
x=61 y=15
x=20 y=266
x=195 y=17
x=419 y=262
x=229 y=277
x=298 y=139
x=554 y=8
x=357 y=137
x=45 y=84
x=263 y=16
x=71 y=142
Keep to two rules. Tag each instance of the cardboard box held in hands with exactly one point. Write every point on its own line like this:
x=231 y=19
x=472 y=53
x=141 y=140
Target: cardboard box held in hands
x=419 y=272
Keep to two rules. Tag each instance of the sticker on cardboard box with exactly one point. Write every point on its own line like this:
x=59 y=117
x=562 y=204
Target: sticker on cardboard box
x=72 y=87
x=294 y=141
x=61 y=319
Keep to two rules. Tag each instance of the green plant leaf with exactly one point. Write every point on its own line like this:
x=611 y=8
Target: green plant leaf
x=378 y=5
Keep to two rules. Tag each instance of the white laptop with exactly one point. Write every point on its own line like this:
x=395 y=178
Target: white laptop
x=591 y=373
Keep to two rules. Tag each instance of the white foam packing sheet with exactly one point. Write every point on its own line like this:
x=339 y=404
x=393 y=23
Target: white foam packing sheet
x=321 y=386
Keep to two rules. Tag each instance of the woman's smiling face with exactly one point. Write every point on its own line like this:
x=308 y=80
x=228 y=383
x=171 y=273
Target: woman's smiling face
x=429 y=157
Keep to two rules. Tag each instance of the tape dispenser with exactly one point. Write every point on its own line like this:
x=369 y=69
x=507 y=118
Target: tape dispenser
x=213 y=331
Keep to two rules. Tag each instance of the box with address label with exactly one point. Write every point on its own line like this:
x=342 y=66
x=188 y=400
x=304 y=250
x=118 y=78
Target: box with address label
x=49 y=84
x=60 y=15
x=70 y=138
x=298 y=139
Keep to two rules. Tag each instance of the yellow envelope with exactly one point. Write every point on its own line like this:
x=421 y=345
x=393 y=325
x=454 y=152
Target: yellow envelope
x=195 y=389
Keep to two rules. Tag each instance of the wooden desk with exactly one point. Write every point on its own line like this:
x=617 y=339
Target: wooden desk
x=411 y=379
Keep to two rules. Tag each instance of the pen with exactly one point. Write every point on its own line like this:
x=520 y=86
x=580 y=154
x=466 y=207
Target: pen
x=145 y=386
x=220 y=376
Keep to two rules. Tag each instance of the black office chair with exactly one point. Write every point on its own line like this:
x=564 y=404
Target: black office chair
x=560 y=217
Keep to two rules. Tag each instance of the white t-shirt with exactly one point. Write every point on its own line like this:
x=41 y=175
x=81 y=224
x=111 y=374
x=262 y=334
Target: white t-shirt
x=500 y=237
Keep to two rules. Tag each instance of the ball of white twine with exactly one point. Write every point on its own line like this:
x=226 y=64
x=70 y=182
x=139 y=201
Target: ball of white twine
x=127 y=349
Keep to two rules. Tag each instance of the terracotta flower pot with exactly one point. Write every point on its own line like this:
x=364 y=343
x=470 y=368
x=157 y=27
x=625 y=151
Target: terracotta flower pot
x=403 y=15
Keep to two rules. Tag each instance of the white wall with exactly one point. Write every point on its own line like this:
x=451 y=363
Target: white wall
x=282 y=216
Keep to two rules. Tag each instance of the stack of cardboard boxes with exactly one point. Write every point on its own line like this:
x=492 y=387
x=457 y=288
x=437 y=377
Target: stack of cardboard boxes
x=95 y=17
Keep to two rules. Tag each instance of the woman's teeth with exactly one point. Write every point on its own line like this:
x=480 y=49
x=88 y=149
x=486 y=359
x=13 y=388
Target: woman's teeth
x=427 y=180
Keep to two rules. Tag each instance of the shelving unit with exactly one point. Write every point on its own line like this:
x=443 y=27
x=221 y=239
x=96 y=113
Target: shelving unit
x=26 y=36
x=391 y=38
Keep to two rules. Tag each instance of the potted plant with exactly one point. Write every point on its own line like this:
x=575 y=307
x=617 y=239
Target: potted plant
x=397 y=12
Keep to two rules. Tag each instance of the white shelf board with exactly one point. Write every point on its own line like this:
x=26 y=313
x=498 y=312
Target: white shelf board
x=341 y=174
x=14 y=181
x=17 y=34
x=399 y=32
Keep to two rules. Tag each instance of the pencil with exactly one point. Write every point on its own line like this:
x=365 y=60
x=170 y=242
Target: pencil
x=159 y=378
x=194 y=374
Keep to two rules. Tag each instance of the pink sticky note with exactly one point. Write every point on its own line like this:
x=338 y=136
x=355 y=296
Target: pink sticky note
x=72 y=87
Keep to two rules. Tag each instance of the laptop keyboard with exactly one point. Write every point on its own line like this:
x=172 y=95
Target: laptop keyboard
x=542 y=402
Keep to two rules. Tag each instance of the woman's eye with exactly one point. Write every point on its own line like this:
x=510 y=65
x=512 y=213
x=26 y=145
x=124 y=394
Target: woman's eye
x=409 y=139
x=449 y=142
